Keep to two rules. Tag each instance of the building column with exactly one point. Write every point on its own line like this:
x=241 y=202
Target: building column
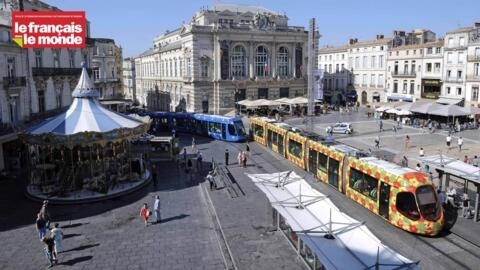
x=251 y=62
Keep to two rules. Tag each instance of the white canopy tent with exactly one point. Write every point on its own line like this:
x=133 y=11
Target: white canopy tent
x=337 y=240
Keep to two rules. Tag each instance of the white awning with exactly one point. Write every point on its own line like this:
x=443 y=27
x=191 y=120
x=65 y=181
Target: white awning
x=449 y=100
x=313 y=217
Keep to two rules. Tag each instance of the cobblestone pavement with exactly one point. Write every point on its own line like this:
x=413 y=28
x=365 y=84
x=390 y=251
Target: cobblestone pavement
x=111 y=235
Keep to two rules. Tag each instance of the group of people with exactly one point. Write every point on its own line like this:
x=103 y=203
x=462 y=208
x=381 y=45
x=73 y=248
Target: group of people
x=145 y=212
x=448 y=141
x=53 y=241
x=242 y=156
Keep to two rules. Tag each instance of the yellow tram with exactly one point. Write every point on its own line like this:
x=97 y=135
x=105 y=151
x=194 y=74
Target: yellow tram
x=402 y=196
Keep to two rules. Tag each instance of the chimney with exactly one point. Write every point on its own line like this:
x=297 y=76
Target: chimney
x=379 y=37
x=351 y=41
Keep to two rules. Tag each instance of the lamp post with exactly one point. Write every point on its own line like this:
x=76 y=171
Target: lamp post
x=235 y=105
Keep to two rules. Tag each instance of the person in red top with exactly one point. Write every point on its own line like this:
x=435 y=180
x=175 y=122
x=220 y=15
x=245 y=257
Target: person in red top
x=144 y=213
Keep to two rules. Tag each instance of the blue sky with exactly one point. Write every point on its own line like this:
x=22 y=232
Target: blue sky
x=134 y=24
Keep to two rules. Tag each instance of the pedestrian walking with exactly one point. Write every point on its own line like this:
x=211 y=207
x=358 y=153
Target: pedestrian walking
x=199 y=160
x=226 y=157
x=211 y=180
x=244 y=159
x=418 y=167
x=377 y=142
x=49 y=250
x=460 y=143
x=407 y=142
x=45 y=214
x=145 y=213
x=421 y=152
x=465 y=159
x=41 y=226
x=448 y=140
x=394 y=129
x=57 y=235
x=465 y=205
x=239 y=158
x=193 y=142
x=247 y=148
x=156 y=209
x=380 y=124
x=185 y=155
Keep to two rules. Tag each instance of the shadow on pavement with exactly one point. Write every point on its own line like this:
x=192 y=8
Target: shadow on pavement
x=82 y=247
x=174 y=218
x=76 y=260
x=74 y=225
x=70 y=235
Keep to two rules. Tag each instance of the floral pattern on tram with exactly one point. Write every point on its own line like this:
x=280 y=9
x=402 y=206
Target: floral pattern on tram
x=276 y=138
x=322 y=164
x=296 y=149
x=258 y=130
x=406 y=183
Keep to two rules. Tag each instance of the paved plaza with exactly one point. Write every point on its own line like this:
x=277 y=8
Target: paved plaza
x=203 y=229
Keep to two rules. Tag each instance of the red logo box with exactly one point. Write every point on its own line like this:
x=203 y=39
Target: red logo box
x=49 y=29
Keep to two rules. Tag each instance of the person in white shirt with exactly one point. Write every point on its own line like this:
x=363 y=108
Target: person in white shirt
x=156 y=208
x=451 y=194
x=460 y=143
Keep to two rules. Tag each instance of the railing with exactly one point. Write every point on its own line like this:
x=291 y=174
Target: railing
x=109 y=79
x=473 y=58
x=474 y=78
x=404 y=74
x=49 y=71
x=455 y=46
x=454 y=80
x=14 y=82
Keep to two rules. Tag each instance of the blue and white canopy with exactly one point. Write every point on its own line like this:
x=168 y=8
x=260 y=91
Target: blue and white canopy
x=85 y=114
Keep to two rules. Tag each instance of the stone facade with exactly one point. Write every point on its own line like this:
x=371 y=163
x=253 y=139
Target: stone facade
x=225 y=54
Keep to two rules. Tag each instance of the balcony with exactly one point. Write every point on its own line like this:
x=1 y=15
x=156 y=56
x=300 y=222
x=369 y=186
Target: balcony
x=49 y=71
x=473 y=78
x=9 y=82
x=454 y=80
x=473 y=58
x=105 y=80
x=454 y=47
x=411 y=74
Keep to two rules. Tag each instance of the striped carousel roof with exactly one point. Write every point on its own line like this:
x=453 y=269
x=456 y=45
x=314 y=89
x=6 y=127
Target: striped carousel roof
x=85 y=114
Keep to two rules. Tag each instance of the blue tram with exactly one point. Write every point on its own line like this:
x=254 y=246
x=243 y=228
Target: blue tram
x=214 y=126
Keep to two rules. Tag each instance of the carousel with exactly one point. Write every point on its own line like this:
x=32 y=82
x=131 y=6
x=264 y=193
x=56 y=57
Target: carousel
x=84 y=153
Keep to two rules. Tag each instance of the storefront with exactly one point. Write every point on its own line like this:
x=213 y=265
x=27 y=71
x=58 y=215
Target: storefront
x=431 y=88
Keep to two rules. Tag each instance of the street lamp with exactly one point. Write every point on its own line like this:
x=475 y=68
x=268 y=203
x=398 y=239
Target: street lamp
x=235 y=105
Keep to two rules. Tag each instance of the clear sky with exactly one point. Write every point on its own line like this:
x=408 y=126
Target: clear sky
x=134 y=24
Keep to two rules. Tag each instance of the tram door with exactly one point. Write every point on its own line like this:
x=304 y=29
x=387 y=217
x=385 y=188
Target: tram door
x=224 y=131
x=384 y=199
x=333 y=172
x=312 y=161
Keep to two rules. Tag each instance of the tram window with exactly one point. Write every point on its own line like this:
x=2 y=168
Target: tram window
x=322 y=162
x=295 y=148
x=427 y=202
x=239 y=128
x=258 y=130
x=231 y=130
x=406 y=205
x=363 y=183
x=215 y=127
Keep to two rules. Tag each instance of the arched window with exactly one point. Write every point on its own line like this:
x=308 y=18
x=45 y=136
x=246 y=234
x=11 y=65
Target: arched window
x=239 y=62
x=262 y=62
x=282 y=62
